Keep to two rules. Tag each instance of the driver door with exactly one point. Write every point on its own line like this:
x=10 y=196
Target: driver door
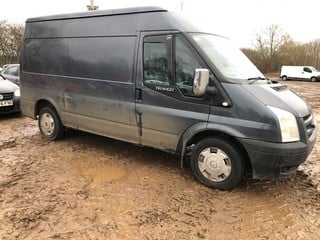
x=165 y=104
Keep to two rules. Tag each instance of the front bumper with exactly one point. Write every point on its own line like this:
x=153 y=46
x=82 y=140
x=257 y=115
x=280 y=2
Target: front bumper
x=273 y=160
x=11 y=109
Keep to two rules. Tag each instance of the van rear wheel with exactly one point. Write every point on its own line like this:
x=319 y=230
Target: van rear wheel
x=313 y=79
x=50 y=124
x=284 y=78
x=217 y=163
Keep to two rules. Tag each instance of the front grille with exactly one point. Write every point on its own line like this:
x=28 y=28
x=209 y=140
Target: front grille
x=7 y=96
x=309 y=124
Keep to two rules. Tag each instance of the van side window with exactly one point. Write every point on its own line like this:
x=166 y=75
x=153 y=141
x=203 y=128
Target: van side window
x=155 y=62
x=306 y=69
x=103 y=58
x=186 y=61
x=46 y=56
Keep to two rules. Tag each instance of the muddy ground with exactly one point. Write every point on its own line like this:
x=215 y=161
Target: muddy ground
x=89 y=187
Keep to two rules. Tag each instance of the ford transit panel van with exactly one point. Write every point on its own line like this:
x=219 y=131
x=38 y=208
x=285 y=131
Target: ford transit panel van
x=146 y=76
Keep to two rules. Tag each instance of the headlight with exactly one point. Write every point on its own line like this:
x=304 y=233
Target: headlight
x=17 y=93
x=288 y=125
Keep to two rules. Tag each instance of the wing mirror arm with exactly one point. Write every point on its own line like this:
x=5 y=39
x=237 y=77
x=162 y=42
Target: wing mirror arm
x=211 y=90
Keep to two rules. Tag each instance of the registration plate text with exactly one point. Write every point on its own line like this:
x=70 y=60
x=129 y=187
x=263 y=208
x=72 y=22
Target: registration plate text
x=6 y=103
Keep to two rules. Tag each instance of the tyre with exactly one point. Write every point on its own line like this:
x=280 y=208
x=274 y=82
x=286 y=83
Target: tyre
x=50 y=124
x=284 y=78
x=313 y=79
x=217 y=163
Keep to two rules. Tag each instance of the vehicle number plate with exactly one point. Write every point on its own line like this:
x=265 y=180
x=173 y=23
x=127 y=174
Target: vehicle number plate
x=5 y=103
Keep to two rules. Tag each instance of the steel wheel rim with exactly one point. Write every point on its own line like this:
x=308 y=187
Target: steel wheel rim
x=214 y=164
x=47 y=124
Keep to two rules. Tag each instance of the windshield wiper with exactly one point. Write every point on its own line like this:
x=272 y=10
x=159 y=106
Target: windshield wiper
x=254 y=79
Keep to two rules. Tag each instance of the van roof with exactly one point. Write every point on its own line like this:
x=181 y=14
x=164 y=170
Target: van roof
x=88 y=14
x=118 y=22
x=294 y=66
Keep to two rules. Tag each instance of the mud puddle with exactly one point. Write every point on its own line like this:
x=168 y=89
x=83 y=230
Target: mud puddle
x=98 y=174
x=105 y=174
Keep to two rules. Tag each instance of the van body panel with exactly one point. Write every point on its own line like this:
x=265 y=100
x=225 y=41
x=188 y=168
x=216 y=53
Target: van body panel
x=163 y=111
x=99 y=71
x=251 y=119
x=255 y=128
x=272 y=160
x=83 y=27
x=163 y=127
x=114 y=129
x=279 y=96
x=189 y=134
x=100 y=13
x=71 y=25
x=28 y=106
x=85 y=105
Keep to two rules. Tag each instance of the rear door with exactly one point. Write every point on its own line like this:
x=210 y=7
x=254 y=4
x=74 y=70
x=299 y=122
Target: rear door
x=104 y=102
x=165 y=104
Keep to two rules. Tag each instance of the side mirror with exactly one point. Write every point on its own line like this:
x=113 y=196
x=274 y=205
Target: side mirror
x=200 y=82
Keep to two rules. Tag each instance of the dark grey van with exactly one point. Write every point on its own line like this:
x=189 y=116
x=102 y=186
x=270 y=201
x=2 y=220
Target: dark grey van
x=146 y=76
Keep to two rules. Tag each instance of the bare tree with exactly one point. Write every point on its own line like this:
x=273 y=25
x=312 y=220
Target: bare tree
x=10 y=42
x=274 y=48
x=3 y=38
x=253 y=55
x=267 y=45
x=313 y=50
x=291 y=53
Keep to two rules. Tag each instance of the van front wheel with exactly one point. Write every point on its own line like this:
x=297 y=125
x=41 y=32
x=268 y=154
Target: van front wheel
x=313 y=79
x=50 y=125
x=217 y=163
x=284 y=78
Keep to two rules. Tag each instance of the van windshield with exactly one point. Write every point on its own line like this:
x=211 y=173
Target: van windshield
x=313 y=69
x=229 y=60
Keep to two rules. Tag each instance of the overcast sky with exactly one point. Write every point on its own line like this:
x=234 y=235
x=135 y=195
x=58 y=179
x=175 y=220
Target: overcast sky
x=239 y=20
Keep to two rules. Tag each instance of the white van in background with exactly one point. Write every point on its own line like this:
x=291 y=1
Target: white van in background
x=299 y=72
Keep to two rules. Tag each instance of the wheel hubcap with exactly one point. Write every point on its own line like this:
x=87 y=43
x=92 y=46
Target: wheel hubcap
x=214 y=164
x=47 y=124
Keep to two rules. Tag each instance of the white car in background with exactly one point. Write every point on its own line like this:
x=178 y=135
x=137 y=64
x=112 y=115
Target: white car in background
x=12 y=73
x=9 y=97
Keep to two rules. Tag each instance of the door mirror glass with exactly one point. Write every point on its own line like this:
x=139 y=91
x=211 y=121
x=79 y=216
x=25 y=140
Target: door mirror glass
x=200 y=82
